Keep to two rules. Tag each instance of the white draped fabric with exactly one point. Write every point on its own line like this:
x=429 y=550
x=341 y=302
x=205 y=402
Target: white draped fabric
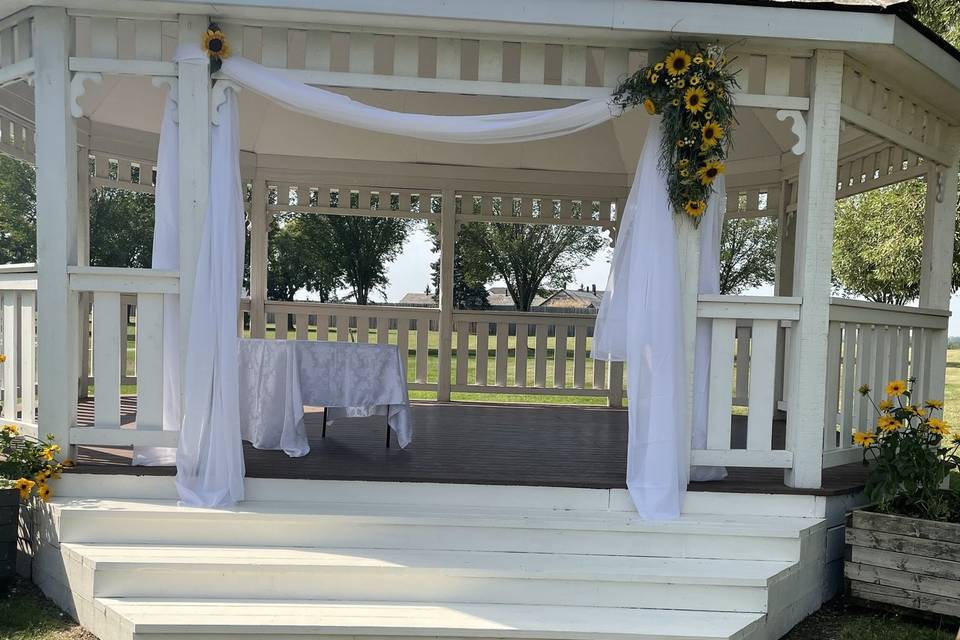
x=711 y=227
x=166 y=255
x=640 y=323
x=644 y=288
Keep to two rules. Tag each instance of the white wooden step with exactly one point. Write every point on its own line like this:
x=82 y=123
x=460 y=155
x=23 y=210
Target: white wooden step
x=445 y=527
x=448 y=576
x=184 y=619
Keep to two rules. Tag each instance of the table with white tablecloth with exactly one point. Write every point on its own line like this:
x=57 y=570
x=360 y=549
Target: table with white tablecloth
x=279 y=377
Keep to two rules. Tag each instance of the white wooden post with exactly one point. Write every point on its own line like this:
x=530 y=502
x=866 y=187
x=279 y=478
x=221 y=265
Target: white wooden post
x=448 y=241
x=259 y=224
x=688 y=250
x=83 y=259
x=814 y=249
x=937 y=266
x=783 y=286
x=193 y=109
x=56 y=159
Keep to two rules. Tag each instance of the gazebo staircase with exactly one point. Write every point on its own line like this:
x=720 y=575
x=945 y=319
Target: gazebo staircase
x=374 y=560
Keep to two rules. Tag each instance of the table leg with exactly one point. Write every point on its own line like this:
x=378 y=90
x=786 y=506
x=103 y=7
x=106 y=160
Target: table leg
x=388 y=435
x=323 y=432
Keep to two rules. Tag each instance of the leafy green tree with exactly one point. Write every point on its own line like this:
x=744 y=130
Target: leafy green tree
x=363 y=248
x=878 y=241
x=748 y=253
x=528 y=257
x=941 y=16
x=18 y=212
x=469 y=287
x=300 y=257
x=121 y=228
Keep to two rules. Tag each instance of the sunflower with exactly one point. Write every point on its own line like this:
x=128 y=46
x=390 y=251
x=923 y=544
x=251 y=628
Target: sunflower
x=215 y=44
x=888 y=424
x=698 y=59
x=683 y=162
x=678 y=62
x=24 y=486
x=695 y=208
x=711 y=63
x=695 y=124
x=3 y=358
x=711 y=134
x=658 y=66
x=654 y=78
x=11 y=429
x=45 y=492
x=650 y=107
x=675 y=102
x=708 y=172
x=938 y=426
x=934 y=404
x=680 y=84
x=695 y=100
x=684 y=173
x=896 y=388
x=864 y=438
x=708 y=115
x=694 y=81
x=710 y=85
x=885 y=405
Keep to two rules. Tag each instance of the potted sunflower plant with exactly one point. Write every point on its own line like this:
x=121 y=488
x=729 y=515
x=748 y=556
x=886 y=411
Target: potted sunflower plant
x=904 y=549
x=27 y=465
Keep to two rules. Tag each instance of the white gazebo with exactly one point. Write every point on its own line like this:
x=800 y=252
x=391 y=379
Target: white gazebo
x=837 y=98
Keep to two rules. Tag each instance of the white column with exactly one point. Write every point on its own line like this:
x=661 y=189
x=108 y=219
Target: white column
x=56 y=159
x=688 y=254
x=814 y=249
x=259 y=224
x=83 y=258
x=448 y=241
x=937 y=267
x=193 y=110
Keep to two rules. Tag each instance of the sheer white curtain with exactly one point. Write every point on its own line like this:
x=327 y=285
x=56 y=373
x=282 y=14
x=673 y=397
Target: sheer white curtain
x=644 y=288
x=640 y=322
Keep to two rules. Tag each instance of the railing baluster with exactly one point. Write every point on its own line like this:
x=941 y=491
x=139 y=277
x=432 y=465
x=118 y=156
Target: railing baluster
x=560 y=356
x=28 y=300
x=463 y=345
x=482 y=353
x=9 y=349
x=503 y=352
x=363 y=330
x=149 y=361
x=831 y=406
x=520 y=377
x=540 y=364
x=720 y=385
x=423 y=327
x=579 y=356
x=106 y=358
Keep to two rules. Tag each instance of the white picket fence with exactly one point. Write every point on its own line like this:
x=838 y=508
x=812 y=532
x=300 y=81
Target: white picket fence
x=872 y=344
x=18 y=343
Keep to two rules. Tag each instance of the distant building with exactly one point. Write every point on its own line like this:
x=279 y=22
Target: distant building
x=417 y=300
x=500 y=300
x=574 y=299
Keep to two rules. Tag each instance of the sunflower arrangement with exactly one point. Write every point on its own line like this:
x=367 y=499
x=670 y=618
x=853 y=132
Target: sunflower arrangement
x=693 y=91
x=912 y=451
x=29 y=464
x=215 y=45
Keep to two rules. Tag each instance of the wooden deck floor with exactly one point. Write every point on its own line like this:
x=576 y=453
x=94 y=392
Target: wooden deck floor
x=476 y=443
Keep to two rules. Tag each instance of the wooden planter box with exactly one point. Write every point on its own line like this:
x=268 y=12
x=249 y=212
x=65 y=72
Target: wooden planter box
x=9 y=512
x=906 y=562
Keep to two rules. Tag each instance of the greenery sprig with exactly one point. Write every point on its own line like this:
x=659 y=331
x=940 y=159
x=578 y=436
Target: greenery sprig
x=912 y=451
x=693 y=92
x=29 y=464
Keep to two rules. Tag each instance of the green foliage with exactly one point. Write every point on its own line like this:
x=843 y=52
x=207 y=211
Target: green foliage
x=878 y=241
x=18 y=212
x=121 y=228
x=469 y=281
x=27 y=463
x=300 y=257
x=941 y=16
x=692 y=91
x=912 y=453
x=363 y=248
x=527 y=257
x=748 y=253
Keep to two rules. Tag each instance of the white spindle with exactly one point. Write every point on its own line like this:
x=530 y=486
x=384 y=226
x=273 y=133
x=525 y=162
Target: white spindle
x=303 y=326
x=540 y=362
x=579 y=356
x=9 y=349
x=149 y=361
x=721 y=380
x=28 y=405
x=503 y=352
x=482 y=352
x=463 y=346
x=831 y=406
x=521 y=356
x=106 y=358
x=560 y=356
x=423 y=326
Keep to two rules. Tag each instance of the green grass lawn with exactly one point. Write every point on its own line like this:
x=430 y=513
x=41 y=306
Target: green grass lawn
x=951 y=400
x=26 y=615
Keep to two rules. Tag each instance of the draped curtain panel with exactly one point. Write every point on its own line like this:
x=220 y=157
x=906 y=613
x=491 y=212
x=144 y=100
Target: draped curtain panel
x=639 y=321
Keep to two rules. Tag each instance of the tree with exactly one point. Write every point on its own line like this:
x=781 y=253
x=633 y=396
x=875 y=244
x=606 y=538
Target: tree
x=748 y=252
x=121 y=228
x=300 y=257
x=878 y=241
x=469 y=288
x=363 y=248
x=18 y=212
x=526 y=256
x=942 y=17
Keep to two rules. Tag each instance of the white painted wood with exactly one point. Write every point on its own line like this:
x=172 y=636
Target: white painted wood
x=361 y=53
x=520 y=372
x=490 y=68
x=423 y=332
x=118 y=280
x=818 y=179
x=406 y=55
x=259 y=223
x=147 y=44
x=8 y=318
x=574 y=65
x=106 y=358
x=318 y=50
x=742 y=364
x=193 y=109
x=721 y=379
x=532 y=62
x=742 y=458
x=103 y=37
x=448 y=239
x=560 y=357
x=483 y=350
x=274 y=48
x=113 y=436
x=448 y=58
x=502 y=354
x=28 y=356
x=56 y=157
x=149 y=361
x=832 y=386
x=463 y=358
x=763 y=345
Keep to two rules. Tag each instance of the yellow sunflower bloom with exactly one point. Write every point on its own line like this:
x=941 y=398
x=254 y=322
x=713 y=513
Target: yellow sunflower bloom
x=708 y=115
x=45 y=492
x=24 y=486
x=695 y=125
x=677 y=62
x=864 y=438
x=888 y=424
x=694 y=81
x=896 y=388
x=709 y=172
x=710 y=85
x=683 y=162
x=711 y=133
x=695 y=208
x=680 y=84
x=658 y=66
x=885 y=405
x=650 y=107
x=938 y=426
x=12 y=429
x=934 y=404
x=675 y=102
x=3 y=358
x=695 y=100
x=698 y=59
x=215 y=44
x=654 y=78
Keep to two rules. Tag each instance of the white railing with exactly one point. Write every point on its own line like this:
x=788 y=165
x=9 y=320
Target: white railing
x=18 y=344
x=745 y=332
x=111 y=293
x=871 y=344
x=531 y=353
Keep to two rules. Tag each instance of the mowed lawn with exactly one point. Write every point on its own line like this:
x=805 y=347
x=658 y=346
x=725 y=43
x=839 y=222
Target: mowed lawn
x=951 y=401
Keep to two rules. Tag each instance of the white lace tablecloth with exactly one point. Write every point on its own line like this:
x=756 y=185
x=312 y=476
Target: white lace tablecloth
x=279 y=377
